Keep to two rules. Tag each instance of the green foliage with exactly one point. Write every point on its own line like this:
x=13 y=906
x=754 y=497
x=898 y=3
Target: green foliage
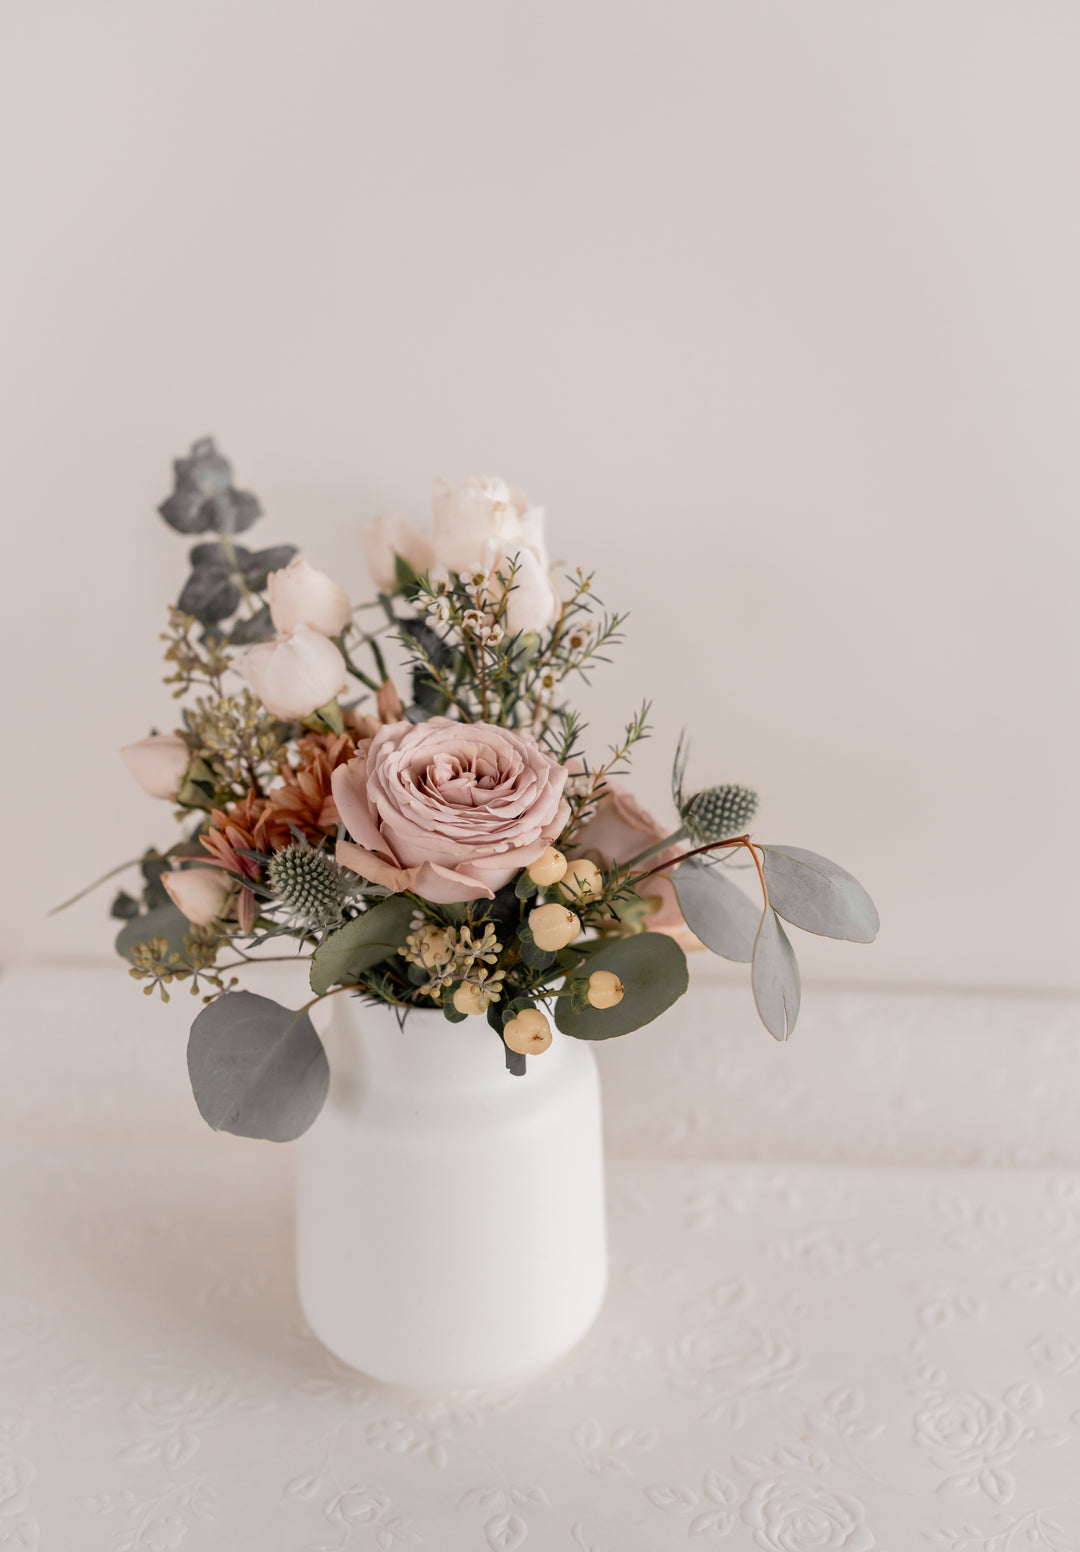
x=775 y=977
x=257 y=1069
x=203 y=496
x=817 y=895
x=717 y=911
x=525 y=887
x=652 y=968
x=379 y=932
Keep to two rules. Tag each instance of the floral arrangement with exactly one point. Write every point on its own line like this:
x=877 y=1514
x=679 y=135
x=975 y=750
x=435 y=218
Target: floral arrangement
x=455 y=849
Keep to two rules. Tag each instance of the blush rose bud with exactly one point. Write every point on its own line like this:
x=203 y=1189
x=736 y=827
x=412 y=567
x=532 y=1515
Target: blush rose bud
x=158 y=763
x=388 y=537
x=199 y=893
x=553 y=927
x=294 y=675
x=300 y=595
x=528 y=1033
x=584 y=879
x=605 y=989
x=548 y=868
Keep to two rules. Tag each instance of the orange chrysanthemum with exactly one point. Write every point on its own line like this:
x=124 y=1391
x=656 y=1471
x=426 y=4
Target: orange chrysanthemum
x=304 y=801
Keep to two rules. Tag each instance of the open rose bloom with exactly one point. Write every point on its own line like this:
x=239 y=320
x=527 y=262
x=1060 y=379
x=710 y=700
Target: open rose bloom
x=448 y=810
x=438 y=839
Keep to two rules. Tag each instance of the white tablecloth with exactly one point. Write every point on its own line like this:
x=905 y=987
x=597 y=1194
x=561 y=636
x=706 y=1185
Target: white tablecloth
x=804 y=1347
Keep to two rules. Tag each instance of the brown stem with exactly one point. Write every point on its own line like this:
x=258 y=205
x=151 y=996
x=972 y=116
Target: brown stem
x=664 y=867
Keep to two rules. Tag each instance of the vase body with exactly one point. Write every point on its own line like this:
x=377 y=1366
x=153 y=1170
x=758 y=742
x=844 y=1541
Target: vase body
x=450 y=1217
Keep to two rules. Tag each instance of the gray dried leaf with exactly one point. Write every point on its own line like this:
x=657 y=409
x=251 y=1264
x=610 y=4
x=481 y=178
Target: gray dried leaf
x=775 y=977
x=257 y=1069
x=183 y=510
x=717 y=911
x=815 y=894
x=210 y=594
x=260 y=627
x=204 y=471
x=258 y=565
x=231 y=511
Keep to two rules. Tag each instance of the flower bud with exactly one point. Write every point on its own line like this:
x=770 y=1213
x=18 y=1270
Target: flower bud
x=718 y=812
x=300 y=595
x=605 y=989
x=390 y=536
x=528 y=1033
x=533 y=603
x=199 y=893
x=584 y=879
x=553 y=927
x=294 y=675
x=548 y=868
x=158 y=763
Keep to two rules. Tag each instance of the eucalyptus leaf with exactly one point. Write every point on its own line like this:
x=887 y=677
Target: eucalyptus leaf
x=210 y=594
x=204 y=471
x=717 y=911
x=775 y=977
x=342 y=959
x=259 y=627
x=185 y=511
x=161 y=921
x=231 y=511
x=213 y=553
x=815 y=894
x=257 y=1069
x=258 y=566
x=125 y=907
x=652 y=969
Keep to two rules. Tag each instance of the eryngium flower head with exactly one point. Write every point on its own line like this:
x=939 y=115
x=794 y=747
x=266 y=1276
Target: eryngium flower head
x=309 y=883
x=719 y=812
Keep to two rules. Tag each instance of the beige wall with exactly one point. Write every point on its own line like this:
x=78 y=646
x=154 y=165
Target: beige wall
x=774 y=306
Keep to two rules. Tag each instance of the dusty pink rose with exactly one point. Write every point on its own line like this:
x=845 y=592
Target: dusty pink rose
x=449 y=810
x=619 y=829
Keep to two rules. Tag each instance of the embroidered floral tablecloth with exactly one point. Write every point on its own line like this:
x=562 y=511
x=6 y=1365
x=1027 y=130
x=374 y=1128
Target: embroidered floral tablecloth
x=792 y=1357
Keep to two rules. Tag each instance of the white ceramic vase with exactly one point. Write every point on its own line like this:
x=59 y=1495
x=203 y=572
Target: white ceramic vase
x=450 y=1217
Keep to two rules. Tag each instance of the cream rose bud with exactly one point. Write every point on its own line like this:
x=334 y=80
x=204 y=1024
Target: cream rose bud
x=605 y=989
x=583 y=879
x=301 y=595
x=158 y=763
x=548 y=868
x=294 y=675
x=528 y=1033
x=534 y=602
x=390 y=536
x=199 y=893
x=553 y=927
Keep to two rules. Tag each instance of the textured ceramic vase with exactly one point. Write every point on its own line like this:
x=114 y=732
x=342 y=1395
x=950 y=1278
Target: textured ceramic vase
x=450 y=1217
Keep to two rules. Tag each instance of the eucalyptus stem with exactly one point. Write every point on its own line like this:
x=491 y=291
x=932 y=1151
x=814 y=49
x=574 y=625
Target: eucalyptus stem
x=131 y=863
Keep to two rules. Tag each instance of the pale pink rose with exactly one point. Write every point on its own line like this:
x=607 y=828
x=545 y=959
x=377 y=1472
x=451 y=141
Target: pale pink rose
x=158 y=763
x=390 y=536
x=534 y=601
x=618 y=830
x=294 y=675
x=199 y=893
x=301 y=595
x=480 y=528
x=449 y=810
